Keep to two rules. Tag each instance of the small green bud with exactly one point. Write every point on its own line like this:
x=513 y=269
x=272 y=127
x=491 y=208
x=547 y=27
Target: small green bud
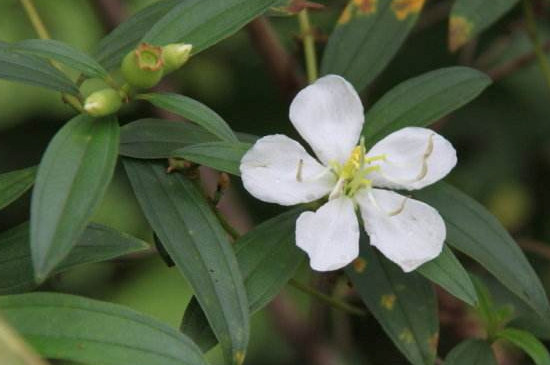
x=142 y=68
x=103 y=102
x=175 y=55
x=90 y=86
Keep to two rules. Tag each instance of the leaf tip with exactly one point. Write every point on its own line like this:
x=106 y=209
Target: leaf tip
x=460 y=32
x=403 y=8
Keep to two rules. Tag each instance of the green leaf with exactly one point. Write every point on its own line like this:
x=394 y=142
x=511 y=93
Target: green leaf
x=13 y=184
x=194 y=111
x=67 y=327
x=33 y=71
x=198 y=245
x=404 y=304
x=97 y=243
x=367 y=37
x=13 y=351
x=62 y=52
x=222 y=156
x=472 y=230
x=447 y=272
x=470 y=17
x=158 y=138
x=127 y=35
x=268 y=257
x=204 y=23
x=423 y=100
x=72 y=178
x=528 y=343
x=471 y=352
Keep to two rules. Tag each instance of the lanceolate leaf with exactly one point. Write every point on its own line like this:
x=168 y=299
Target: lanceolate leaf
x=204 y=23
x=528 y=343
x=447 y=272
x=72 y=178
x=30 y=70
x=471 y=352
x=158 y=138
x=68 y=327
x=422 y=100
x=194 y=111
x=97 y=243
x=62 y=52
x=196 y=242
x=367 y=36
x=474 y=231
x=13 y=351
x=268 y=258
x=470 y=17
x=222 y=156
x=14 y=184
x=127 y=35
x=404 y=304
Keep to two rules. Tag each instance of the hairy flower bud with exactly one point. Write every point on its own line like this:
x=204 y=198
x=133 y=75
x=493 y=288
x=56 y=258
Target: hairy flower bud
x=142 y=68
x=103 y=102
x=175 y=55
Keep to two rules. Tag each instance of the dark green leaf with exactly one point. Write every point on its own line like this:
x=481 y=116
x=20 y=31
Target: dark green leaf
x=97 y=243
x=62 y=52
x=194 y=111
x=404 y=304
x=423 y=100
x=72 y=178
x=14 y=184
x=33 y=71
x=474 y=231
x=268 y=258
x=470 y=17
x=367 y=37
x=93 y=332
x=157 y=138
x=528 y=343
x=204 y=23
x=127 y=35
x=447 y=272
x=195 y=240
x=222 y=156
x=471 y=352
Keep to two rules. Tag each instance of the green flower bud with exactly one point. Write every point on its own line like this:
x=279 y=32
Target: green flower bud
x=142 y=68
x=175 y=55
x=103 y=102
x=90 y=86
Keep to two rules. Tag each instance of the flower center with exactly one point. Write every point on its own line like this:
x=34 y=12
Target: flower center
x=353 y=174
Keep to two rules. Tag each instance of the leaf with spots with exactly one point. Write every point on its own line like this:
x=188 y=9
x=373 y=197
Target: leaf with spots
x=193 y=237
x=404 y=304
x=470 y=17
x=366 y=38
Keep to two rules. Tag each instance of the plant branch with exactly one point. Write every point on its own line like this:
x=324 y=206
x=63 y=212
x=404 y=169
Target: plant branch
x=309 y=46
x=335 y=303
x=531 y=27
x=280 y=63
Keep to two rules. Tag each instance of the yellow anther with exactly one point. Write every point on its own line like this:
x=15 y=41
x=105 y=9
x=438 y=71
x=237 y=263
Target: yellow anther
x=375 y=158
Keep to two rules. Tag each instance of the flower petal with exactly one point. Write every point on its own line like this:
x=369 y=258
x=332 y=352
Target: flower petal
x=278 y=169
x=329 y=115
x=415 y=158
x=330 y=236
x=406 y=231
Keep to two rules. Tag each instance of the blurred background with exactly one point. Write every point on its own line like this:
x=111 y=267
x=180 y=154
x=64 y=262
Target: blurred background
x=502 y=138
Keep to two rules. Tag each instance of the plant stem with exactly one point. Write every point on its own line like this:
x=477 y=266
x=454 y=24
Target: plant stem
x=335 y=303
x=225 y=224
x=531 y=26
x=309 y=46
x=35 y=19
x=42 y=32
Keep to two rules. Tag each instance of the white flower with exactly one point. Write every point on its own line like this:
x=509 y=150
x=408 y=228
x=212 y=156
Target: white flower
x=329 y=116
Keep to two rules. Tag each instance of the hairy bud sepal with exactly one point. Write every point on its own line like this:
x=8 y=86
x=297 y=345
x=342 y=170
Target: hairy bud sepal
x=175 y=56
x=143 y=67
x=103 y=102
